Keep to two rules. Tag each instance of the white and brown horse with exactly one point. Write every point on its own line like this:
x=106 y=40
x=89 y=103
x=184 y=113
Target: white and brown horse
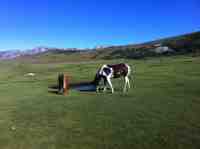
x=107 y=72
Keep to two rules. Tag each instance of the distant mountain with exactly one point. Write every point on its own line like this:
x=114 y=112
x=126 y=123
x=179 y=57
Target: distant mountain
x=9 y=54
x=12 y=54
x=183 y=44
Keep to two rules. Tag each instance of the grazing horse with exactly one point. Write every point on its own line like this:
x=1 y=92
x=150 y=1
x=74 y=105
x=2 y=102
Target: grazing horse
x=106 y=72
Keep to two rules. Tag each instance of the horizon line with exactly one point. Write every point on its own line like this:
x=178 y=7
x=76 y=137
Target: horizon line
x=95 y=47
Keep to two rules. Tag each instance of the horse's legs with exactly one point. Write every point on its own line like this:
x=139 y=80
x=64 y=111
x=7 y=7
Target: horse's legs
x=128 y=82
x=110 y=84
x=125 y=84
x=105 y=82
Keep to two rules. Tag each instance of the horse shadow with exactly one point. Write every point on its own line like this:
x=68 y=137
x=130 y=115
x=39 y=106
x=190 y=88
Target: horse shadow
x=83 y=86
x=80 y=86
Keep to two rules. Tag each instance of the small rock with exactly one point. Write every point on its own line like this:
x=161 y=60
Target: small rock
x=13 y=128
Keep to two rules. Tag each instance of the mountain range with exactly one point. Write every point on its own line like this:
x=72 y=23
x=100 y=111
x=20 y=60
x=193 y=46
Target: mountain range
x=12 y=54
x=182 y=44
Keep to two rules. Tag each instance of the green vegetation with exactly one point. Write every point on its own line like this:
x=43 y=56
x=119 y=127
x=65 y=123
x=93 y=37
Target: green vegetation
x=161 y=111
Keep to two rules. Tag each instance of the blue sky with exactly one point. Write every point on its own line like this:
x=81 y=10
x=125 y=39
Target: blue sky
x=87 y=23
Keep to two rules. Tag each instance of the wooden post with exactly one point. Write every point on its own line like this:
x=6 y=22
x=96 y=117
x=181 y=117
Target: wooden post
x=66 y=84
x=63 y=84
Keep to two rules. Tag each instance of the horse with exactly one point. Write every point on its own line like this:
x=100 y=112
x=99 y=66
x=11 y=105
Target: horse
x=107 y=72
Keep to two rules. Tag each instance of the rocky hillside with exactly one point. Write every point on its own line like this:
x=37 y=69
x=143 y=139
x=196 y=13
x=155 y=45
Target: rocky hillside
x=189 y=43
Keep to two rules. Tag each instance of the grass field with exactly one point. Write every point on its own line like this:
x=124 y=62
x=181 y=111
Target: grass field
x=161 y=111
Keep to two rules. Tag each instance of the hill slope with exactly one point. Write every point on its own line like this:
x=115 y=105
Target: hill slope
x=183 y=44
x=189 y=43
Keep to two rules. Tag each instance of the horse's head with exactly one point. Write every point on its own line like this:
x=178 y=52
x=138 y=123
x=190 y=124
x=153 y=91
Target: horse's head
x=96 y=82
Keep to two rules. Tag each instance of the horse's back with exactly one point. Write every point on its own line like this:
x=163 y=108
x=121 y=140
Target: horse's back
x=120 y=69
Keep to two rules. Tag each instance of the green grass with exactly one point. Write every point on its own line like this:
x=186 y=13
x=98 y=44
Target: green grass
x=161 y=111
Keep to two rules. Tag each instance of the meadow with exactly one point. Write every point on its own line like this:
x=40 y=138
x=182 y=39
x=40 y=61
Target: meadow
x=161 y=110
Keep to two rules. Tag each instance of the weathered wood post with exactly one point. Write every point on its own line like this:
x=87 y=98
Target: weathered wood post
x=63 y=84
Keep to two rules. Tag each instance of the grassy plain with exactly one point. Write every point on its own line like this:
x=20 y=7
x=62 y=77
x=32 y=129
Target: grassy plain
x=160 y=111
